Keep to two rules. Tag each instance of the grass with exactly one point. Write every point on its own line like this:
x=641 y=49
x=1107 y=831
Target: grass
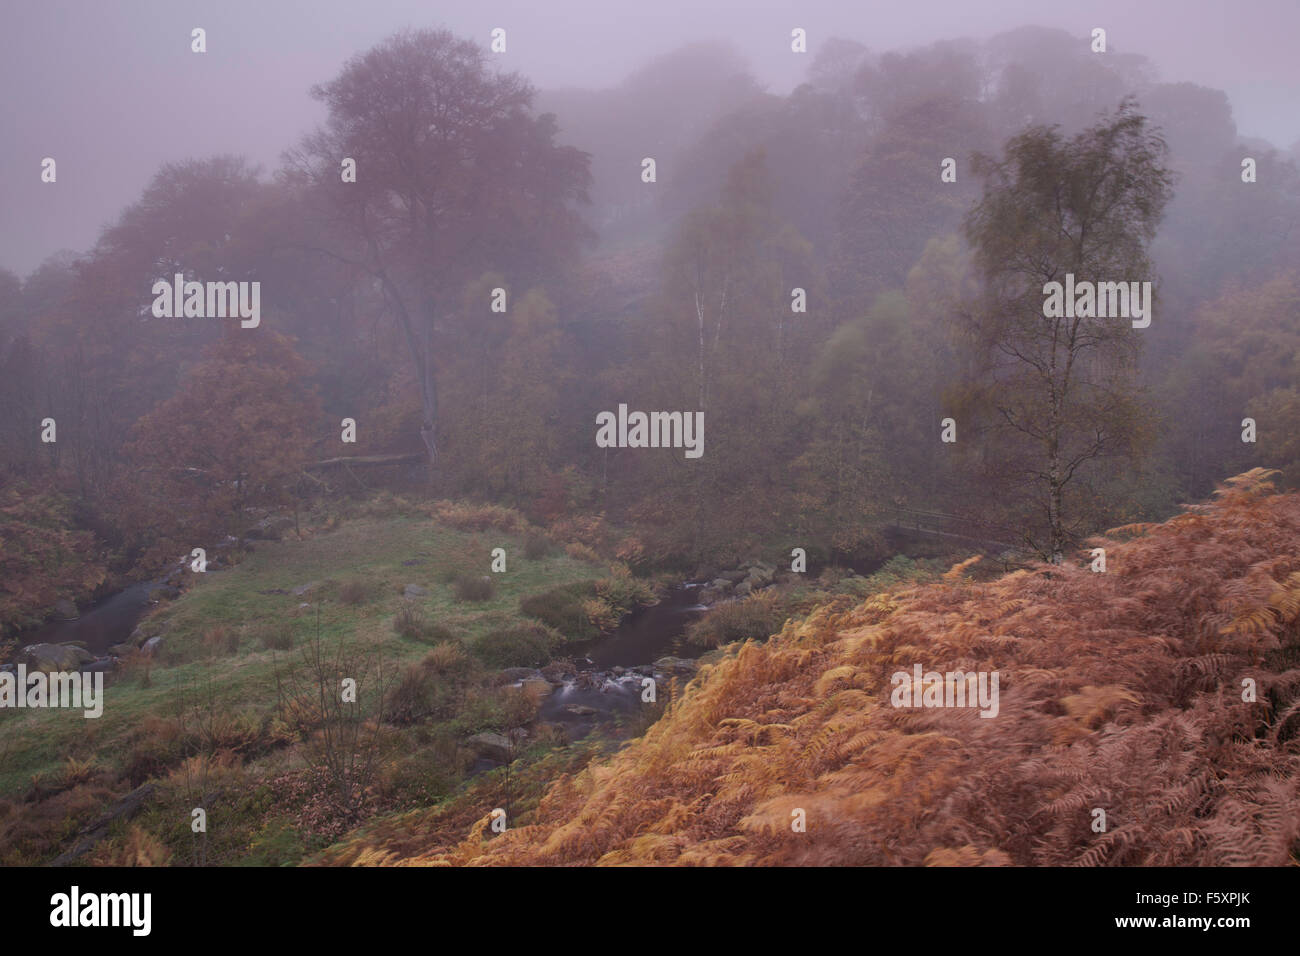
x=228 y=634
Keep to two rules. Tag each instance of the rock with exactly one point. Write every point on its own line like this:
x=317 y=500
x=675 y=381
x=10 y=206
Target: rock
x=732 y=577
x=65 y=610
x=151 y=646
x=55 y=657
x=492 y=745
x=121 y=650
x=302 y=589
x=537 y=686
x=744 y=587
x=580 y=710
x=676 y=666
x=414 y=591
x=620 y=671
x=513 y=674
x=100 y=664
x=720 y=584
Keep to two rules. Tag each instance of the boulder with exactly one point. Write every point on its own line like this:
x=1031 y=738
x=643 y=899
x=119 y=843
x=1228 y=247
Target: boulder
x=492 y=745
x=55 y=657
x=302 y=589
x=537 y=686
x=580 y=710
x=151 y=646
x=121 y=650
x=414 y=591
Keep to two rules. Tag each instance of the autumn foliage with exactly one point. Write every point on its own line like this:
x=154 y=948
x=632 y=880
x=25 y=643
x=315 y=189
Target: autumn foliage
x=1120 y=690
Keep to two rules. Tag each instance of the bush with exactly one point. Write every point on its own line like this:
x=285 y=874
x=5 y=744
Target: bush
x=474 y=588
x=276 y=637
x=562 y=608
x=221 y=639
x=515 y=647
x=354 y=592
x=580 y=552
x=412 y=698
x=536 y=547
x=624 y=592
x=410 y=622
x=471 y=517
x=447 y=657
x=756 y=616
x=602 y=616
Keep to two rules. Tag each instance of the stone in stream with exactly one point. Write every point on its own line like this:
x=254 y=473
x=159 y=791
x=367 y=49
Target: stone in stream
x=55 y=657
x=537 y=686
x=580 y=710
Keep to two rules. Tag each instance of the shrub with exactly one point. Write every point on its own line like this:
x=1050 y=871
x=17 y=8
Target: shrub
x=412 y=698
x=474 y=588
x=221 y=639
x=410 y=622
x=276 y=637
x=354 y=592
x=602 y=616
x=536 y=547
x=580 y=552
x=562 y=608
x=515 y=647
x=756 y=616
x=624 y=592
x=471 y=517
x=445 y=658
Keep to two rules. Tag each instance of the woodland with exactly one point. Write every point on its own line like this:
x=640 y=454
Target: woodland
x=846 y=286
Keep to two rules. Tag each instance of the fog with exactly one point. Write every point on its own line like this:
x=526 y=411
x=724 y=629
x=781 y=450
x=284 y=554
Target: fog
x=112 y=91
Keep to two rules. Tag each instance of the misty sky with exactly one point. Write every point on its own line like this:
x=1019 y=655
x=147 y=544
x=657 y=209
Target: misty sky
x=110 y=89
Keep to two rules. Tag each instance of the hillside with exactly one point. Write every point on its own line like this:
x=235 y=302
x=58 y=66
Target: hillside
x=1120 y=691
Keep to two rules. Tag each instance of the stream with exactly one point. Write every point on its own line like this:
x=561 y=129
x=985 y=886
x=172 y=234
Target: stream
x=610 y=670
x=107 y=622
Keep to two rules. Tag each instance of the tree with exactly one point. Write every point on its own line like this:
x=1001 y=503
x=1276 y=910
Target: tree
x=233 y=437
x=1062 y=389
x=454 y=176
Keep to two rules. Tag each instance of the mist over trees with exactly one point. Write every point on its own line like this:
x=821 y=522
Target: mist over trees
x=674 y=294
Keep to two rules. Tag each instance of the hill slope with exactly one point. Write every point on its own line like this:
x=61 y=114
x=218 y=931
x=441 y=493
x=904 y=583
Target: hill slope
x=1119 y=691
